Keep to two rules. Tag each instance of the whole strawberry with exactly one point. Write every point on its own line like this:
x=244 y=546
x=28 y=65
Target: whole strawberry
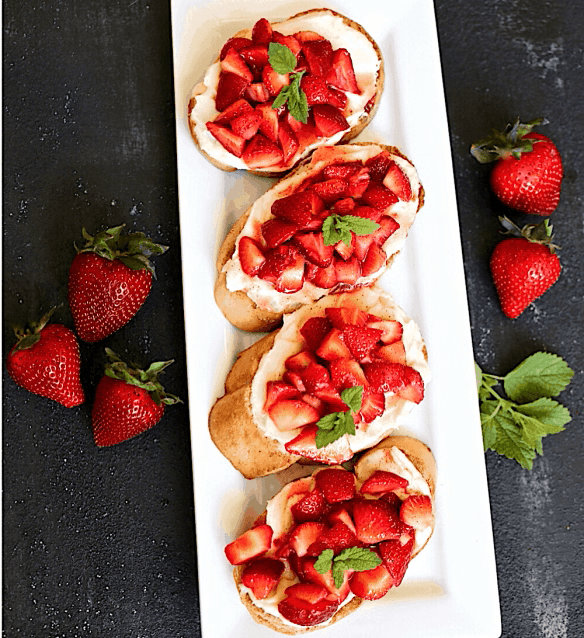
x=128 y=401
x=45 y=360
x=524 y=267
x=109 y=280
x=527 y=175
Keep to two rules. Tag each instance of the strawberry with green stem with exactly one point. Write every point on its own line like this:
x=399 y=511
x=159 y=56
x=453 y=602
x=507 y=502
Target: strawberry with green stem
x=528 y=171
x=109 y=280
x=45 y=360
x=128 y=400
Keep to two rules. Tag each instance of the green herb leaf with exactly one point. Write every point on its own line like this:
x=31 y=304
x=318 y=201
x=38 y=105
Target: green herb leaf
x=358 y=559
x=324 y=561
x=353 y=397
x=334 y=425
x=281 y=58
x=541 y=375
x=337 y=228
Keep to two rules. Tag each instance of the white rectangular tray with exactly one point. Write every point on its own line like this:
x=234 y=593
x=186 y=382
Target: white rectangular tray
x=450 y=589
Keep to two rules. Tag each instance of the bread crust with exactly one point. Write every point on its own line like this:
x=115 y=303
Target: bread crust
x=200 y=88
x=237 y=307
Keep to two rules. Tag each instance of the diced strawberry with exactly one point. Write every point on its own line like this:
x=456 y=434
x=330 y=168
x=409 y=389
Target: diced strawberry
x=346 y=373
x=346 y=316
x=306 y=132
x=395 y=179
x=288 y=140
x=375 y=521
x=269 y=125
x=336 y=484
x=360 y=340
x=333 y=347
x=278 y=391
x=325 y=277
x=251 y=256
x=337 y=538
x=310 y=271
x=340 y=514
x=310 y=574
x=381 y=481
x=318 y=92
x=396 y=557
x=358 y=183
x=348 y=272
x=273 y=80
x=379 y=196
x=392 y=352
x=234 y=43
x=234 y=63
x=260 y=152
x=400 y=379
x=277 y=261
x=316 y=403
x=251 y=544
x=261 y=32
x=342 y=74
x=305 y=445
x=262 y=575
x=312 y=246
x=372 y=406
x=319 y=56
x=328 y=120
x=315 y=377
x=367 y=212
x=300 y=612
x=288 y=41
x=387 y=226
x=294 y=379
x=309 y=592
x=276 y=232
x=332 y=398
x=345 y=250
x=378 y=165
x=391 y=329
x=240 y=107
x=310 y=508
x=416 y=511
x=233 y=143
x=371 y=584
x=257 y=92
x=292 y=278
x=300 y=361
x=341 y=171
x=289 y=414
x=392 y=499
x=343 y=206
x=306 y=36
x=304 y=535
x=330 y=190
x=256 y=57
x=246 y=125
x=338 y=98
x=314 y=330
x=298 y=208
x=374 y=260
x=362 y=245
x=230 y=88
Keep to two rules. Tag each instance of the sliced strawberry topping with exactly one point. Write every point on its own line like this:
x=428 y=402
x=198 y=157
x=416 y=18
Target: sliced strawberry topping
x=251 y=544
x=375 y=521
x=318 y=55
x=288 y=140
x=300 y=361
x=230 y=88
x=273 y=80
x=256 y=57
x=309 y=574
x=416 y=511
x=388 y=226
x=396 y=557
x=348 y=272
x=328 y=120
x=312 y=246
x=318 y=92
x=391 y=330
x=374 y=260
x=278 y=391
x=360 y=340
x=251 y=256
x=371 y=584
x=261 y=576
x=288 y=41
x=333 y=346
x=359 y=182
x=325 y=277
x=343 y=206
x=276 y=232
x=315 y=377
x=298 y=208
x=336 y=484
x=289 y=414
x=240 y=107
x=396 y=180
x=402 y=380
x=314 y=330
x=309 y=592
x=234 y=43
x=347 y=315
x=346 y=373
x=257 y=92
x=300 y=612
x=228 y=139
x=310 y=508
x=337 y=538
x=304 y=535
x=342 y=74
x=330 y=190
x=305 y=36
x=379 y=196
x=372 y=405
x=260 y=152
x=392 y=353
x=378 y=165
x=368 y=212
x=339 y=513
x=261 y=32
x=305 y=445
x=234 y=63
x=246 y=125
x=381 y=481
x=269 y=126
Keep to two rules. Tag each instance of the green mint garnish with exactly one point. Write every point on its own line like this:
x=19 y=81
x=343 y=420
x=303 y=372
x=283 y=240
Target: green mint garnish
x=358 y=559
x=338 y=228
x=515 y=427
x=334 y=425
x=283 y=61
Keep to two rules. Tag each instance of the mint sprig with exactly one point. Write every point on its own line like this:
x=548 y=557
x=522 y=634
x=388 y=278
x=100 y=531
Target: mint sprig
x=515 y=426
x=334 y=425
x=336 y=228
x=359 y=559
x=283 y=61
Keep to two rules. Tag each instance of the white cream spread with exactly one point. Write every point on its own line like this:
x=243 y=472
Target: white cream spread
x=262 y=292
x=289 y=341
x=366 y=64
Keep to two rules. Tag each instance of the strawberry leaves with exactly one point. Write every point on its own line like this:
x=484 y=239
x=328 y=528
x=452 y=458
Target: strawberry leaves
x=515 y=427
x=283 y=61
x=336 y=228
x=335 y=424
x=358 y=559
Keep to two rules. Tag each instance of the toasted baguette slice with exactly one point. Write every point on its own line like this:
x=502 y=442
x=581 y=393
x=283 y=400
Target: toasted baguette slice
x=342 y=33
x=245 y=434
x=379 y=457
x=253 y=304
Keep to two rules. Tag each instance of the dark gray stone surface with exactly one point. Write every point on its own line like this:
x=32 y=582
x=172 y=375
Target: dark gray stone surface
x=101 y=542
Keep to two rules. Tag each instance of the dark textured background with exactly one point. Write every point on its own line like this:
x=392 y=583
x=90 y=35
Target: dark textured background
x=101 y=542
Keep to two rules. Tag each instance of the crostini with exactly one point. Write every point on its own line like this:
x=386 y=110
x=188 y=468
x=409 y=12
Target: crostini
x=335 y=223
x=337 y=378
x=278 y=91
x=330 y=540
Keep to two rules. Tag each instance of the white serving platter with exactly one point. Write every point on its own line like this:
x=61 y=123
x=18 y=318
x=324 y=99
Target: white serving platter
x=450 y=590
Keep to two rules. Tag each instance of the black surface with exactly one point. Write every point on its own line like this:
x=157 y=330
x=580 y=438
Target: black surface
x=102 y=542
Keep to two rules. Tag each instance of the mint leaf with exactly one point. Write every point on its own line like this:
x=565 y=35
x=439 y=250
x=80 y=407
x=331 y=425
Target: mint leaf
x=541 y=375
x=281 y=98
x=358 y=559
x=510 y=443
x=327 y=422
x=334 y=425
x=324 y=561
x=360 y=225
x=353 y=397
x=281 y=58
x=337 y=228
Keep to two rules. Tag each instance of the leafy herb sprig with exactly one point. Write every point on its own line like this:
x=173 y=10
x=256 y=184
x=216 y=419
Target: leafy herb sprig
x=336 y=228
x=283 y=61
x=515 y=426
x=359 y=559
x=334 y=425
